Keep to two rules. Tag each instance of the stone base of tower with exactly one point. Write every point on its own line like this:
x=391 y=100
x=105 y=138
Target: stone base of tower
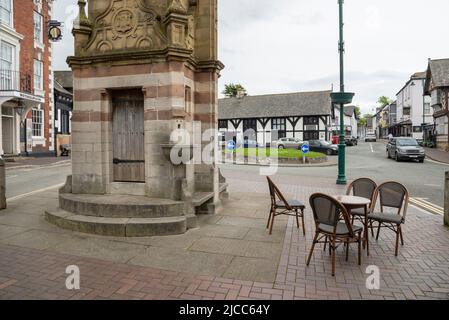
x=129 y=216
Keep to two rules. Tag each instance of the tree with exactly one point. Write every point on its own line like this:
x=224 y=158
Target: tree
x=384 y=101
x=364 y=120
x=232 y=90
x=357 y=112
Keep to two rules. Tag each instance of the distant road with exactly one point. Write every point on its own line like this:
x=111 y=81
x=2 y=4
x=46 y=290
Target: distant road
x=424 y=181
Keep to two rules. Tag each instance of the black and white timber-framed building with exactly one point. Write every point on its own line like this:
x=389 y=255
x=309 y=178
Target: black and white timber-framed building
x=303 y=115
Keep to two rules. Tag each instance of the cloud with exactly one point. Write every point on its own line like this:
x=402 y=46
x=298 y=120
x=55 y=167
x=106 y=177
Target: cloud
x=274 y=46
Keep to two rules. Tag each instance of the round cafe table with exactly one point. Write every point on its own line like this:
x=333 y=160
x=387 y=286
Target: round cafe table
x=353 y=202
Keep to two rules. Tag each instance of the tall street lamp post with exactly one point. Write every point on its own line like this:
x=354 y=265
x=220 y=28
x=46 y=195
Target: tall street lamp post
x=341 y=98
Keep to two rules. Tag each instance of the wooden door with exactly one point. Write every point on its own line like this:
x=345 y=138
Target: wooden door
x=128 y=136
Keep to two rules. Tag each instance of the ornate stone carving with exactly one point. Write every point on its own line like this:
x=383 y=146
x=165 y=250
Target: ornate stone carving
x=127 y=25
x=190 y=37
x=176 y=6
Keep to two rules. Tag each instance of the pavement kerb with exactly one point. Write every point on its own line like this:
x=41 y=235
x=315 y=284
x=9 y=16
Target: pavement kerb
x=433 y=159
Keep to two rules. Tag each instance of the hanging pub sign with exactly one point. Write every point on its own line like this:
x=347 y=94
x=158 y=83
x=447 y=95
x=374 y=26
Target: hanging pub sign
x=54 y=30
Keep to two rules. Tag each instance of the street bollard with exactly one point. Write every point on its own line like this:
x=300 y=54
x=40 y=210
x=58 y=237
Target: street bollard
x=2 y=184
x=446 y=200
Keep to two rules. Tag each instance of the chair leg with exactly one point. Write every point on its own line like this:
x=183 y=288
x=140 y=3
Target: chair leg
x=269 y=218
x=297 y=218
x=352 y=222
x=378 y=231
x=397 y=242
x=347 y=250
x=303 y=223
x=372 y=229
x=333 y=257
x=400 y=233
x=325 y=244
x=272 y=223
x=360 y=249
x=313 y=247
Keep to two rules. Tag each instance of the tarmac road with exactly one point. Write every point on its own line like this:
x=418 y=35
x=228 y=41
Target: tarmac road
x=424 y=181
x=22 y=181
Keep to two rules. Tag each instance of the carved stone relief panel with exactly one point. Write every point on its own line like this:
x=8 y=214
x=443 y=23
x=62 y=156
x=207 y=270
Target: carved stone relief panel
x=127 y=24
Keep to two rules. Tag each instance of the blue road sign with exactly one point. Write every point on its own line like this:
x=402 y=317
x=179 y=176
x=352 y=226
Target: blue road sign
x=231 y=145
x=305 y=148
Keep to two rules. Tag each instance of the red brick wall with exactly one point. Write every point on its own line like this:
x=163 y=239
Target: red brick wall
x=24 y=24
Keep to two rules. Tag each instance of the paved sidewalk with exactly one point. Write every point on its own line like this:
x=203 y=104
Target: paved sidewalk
x=438 y=155
x=19 y=162
x=230 y=256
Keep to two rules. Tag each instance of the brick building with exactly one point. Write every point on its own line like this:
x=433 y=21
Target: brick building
x=26 y=94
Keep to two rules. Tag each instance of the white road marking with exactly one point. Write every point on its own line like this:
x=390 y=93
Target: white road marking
x=371 y=146
x=20 y=196
x=10 y=177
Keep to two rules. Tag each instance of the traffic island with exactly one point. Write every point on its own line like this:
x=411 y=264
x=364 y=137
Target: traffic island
x=265 y=156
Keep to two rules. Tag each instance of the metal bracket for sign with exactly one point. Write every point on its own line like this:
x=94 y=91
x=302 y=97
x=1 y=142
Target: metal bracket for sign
x=118 y=161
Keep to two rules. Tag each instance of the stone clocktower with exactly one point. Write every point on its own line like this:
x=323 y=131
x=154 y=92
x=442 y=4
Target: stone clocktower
x=143 y=70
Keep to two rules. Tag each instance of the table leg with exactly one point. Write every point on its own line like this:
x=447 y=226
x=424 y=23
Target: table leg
x=366 y=230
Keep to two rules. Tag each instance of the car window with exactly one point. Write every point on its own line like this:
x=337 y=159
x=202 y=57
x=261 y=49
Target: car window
x=324 y=143
x=407 y=143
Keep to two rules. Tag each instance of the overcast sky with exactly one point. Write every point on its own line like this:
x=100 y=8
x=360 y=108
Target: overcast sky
x=291 y=45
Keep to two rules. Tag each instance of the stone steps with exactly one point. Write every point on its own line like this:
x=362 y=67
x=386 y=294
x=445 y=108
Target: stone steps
x=119 y=227
x=120 y=206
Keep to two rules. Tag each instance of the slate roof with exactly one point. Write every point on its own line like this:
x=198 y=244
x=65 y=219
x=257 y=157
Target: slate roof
x=276 y=105
x=61 y=89
x=440 y=72
x=64 y=78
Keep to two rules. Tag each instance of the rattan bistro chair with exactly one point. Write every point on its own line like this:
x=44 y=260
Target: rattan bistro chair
x=327 y=212
x=395 y=196
x=365 y=188
x=281 y=206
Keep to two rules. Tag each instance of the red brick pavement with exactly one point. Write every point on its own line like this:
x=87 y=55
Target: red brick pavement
x=420 y=272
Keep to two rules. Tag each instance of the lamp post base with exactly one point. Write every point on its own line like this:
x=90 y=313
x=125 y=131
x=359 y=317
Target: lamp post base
x=341 y=163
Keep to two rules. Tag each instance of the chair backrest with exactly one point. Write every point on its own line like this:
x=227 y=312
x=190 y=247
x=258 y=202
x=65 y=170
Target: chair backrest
x=363 y=187
x=327 y=210
x=392 y=194
x=276 y=194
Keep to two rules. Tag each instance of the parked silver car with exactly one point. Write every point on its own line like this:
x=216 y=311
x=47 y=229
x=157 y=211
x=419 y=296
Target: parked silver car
x=405 y=148
x=288 y=143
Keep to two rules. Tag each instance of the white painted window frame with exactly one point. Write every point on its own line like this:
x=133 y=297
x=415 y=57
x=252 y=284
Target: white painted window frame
x=11 y=17
x=42 y=123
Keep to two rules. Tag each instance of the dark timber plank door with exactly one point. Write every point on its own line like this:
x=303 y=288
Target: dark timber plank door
x=128 y=136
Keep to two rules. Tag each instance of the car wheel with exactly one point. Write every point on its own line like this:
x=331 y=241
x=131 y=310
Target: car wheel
x=396 y=157
x=329 y=152
x=421 y=161
x=388 y=155
x=281 y=147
